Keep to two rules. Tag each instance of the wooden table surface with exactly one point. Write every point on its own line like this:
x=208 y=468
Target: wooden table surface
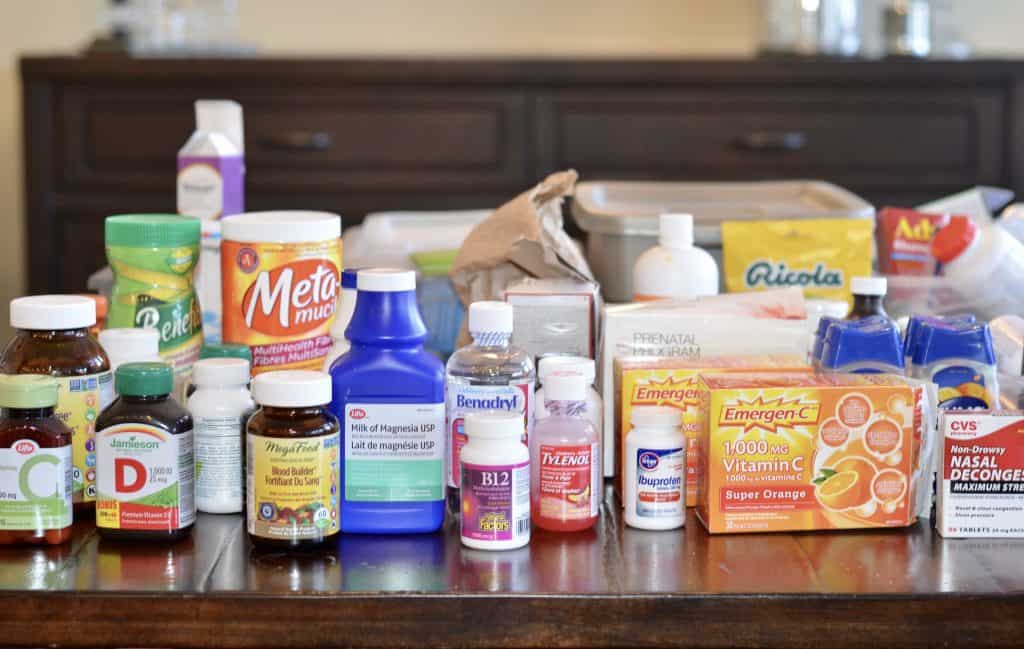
x=612 y=586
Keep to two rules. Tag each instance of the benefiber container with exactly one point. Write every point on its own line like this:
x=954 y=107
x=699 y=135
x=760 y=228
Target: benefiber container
x=621 y=218
x=281 y=277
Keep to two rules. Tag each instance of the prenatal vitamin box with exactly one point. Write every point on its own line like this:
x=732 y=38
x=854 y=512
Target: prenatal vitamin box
x=982 y=464
x=785 y=452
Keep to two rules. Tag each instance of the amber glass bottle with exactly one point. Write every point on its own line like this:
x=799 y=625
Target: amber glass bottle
x=35 y=504
x=292 y=454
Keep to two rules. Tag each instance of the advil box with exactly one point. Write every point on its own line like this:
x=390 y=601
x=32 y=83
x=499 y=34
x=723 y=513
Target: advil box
x=672 y=382
x=982 y=464
x=905 y=241
x=790 y=452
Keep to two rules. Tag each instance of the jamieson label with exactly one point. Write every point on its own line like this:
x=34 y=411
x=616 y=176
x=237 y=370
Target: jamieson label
x=80 y=400
x=35 y=487
x=145 y=478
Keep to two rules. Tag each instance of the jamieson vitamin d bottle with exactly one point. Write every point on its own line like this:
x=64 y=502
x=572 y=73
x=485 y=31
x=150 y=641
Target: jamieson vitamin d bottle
x=144 y=463
x=53 y=338
x=292 y=448
x=35 y=452
x=389 y=395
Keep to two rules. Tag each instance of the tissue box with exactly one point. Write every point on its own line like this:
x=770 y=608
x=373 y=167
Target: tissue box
x=554 y=316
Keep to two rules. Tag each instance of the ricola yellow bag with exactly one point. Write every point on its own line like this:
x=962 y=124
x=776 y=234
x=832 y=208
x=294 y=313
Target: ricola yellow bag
x=818 y=255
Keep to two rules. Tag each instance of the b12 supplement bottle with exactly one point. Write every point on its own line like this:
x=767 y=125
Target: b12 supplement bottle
x=346 y=307
x=53 y=338
x=220 y=407
x=655 y=467
x=125 y=345
x=154 y=258
x=35 y=454
x=144 y=459
x=489 y=374
x=292 y=454
x=868 y=296
x=495 y=475
x=389 y=395
x=565 y=459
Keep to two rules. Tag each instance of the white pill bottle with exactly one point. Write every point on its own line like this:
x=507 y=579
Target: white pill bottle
x=655 y=469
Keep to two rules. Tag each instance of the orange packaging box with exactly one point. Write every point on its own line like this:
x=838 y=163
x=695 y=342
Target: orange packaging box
x=662 y=381
x=797 y=452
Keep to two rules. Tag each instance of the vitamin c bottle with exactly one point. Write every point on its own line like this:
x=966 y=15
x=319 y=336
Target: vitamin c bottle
x=655 y=466
x=35 y=452
x=53 y=338
x=495 y=482
x=144 y=461
x=292 y=446
x=565 y=459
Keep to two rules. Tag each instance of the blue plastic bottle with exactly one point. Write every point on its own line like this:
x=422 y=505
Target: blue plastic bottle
x=819 y=339
x=960 y=360
x=389 y=397
x=912 y=337
x=869 y=346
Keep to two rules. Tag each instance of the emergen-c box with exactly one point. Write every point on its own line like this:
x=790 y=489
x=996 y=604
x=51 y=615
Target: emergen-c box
x=982 y=473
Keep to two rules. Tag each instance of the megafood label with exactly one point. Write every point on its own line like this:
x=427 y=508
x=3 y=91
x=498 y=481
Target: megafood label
x=808 y=456
x=820 y=256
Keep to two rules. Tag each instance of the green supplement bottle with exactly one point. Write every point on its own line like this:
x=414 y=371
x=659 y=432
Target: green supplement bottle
x=154 y=257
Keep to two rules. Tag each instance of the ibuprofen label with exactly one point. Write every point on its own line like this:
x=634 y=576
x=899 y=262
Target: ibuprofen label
x=35 y=487
x=570 y=481
x=461 y=398
x=293 y=486
x=80 y=399
x=495 y=502
x=394 y=452
x=145 y=478
x=659 y=482
x=279 y=298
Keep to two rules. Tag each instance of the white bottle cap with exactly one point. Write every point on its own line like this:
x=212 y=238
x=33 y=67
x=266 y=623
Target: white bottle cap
x=494 y=424
x=141 y=344
x=221 y=116
x=386 y=280
x=868 y=285
x=284 y=226
x=656 y=417
x=292 y=389
x=565 y=386
x=675 y=230
x=571 y=364
x=221 y=371
x=43 y=312
x=490 y=317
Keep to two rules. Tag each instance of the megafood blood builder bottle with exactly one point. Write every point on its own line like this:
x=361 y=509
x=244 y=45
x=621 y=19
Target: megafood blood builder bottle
x=53 y=339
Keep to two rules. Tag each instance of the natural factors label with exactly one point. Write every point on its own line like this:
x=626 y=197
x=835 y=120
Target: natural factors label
x=80 y=400
x=145 y=478
x=805 y=452
x=293 y=486
x=982 y=473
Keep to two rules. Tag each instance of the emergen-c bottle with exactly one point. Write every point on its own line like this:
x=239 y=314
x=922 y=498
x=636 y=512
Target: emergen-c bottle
x=489 y=374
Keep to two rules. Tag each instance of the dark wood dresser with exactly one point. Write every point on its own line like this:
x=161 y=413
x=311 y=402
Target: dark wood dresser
x=355 y=136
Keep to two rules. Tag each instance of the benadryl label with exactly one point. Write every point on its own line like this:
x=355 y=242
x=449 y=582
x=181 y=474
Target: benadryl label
x=659 y=482
x=394 y=452
x=35 y=487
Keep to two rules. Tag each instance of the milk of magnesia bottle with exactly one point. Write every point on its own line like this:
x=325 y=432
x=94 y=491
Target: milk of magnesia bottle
x=959 y=358
x=548 y=365
x=674 y=268
x=655 y=467
x=346 y=307
x=489 y=374
x=868 y=346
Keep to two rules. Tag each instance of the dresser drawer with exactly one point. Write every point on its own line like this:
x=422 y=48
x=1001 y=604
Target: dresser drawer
x=877 y=138
x=316 y=141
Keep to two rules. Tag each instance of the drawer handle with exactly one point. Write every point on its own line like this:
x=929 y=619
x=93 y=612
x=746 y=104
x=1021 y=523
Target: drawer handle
x=769 y=141
x=298 y=141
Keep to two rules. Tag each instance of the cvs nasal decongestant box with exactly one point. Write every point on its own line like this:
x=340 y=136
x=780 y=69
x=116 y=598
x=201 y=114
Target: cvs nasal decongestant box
x=981 y=489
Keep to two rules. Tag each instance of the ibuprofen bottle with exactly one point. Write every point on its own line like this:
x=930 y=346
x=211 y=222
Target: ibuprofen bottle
x=292 y=453
x=346 y=307
x=868 y=296
x=53 y=338
x=565 y=459
x=389 y=395
x=144 y=463
x=495 y=482
x=489 y=374
x=35 y=458
x=655 y=466
x=220 y=407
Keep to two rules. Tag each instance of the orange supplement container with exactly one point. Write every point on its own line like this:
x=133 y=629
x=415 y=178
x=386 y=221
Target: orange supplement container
x=281 y=277
x=783 y=452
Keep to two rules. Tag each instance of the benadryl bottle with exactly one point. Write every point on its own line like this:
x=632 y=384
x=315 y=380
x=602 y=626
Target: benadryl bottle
x=389 y=397
x=869 y=346
x=959 y=358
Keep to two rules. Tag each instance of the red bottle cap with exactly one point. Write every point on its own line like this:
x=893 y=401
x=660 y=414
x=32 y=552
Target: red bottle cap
x=953 y=239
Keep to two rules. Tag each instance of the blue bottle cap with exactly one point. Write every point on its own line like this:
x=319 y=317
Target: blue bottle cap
x=954 y=340
x=819 y=335
x=348 y=277
x=857 y=342
x=913 y=334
